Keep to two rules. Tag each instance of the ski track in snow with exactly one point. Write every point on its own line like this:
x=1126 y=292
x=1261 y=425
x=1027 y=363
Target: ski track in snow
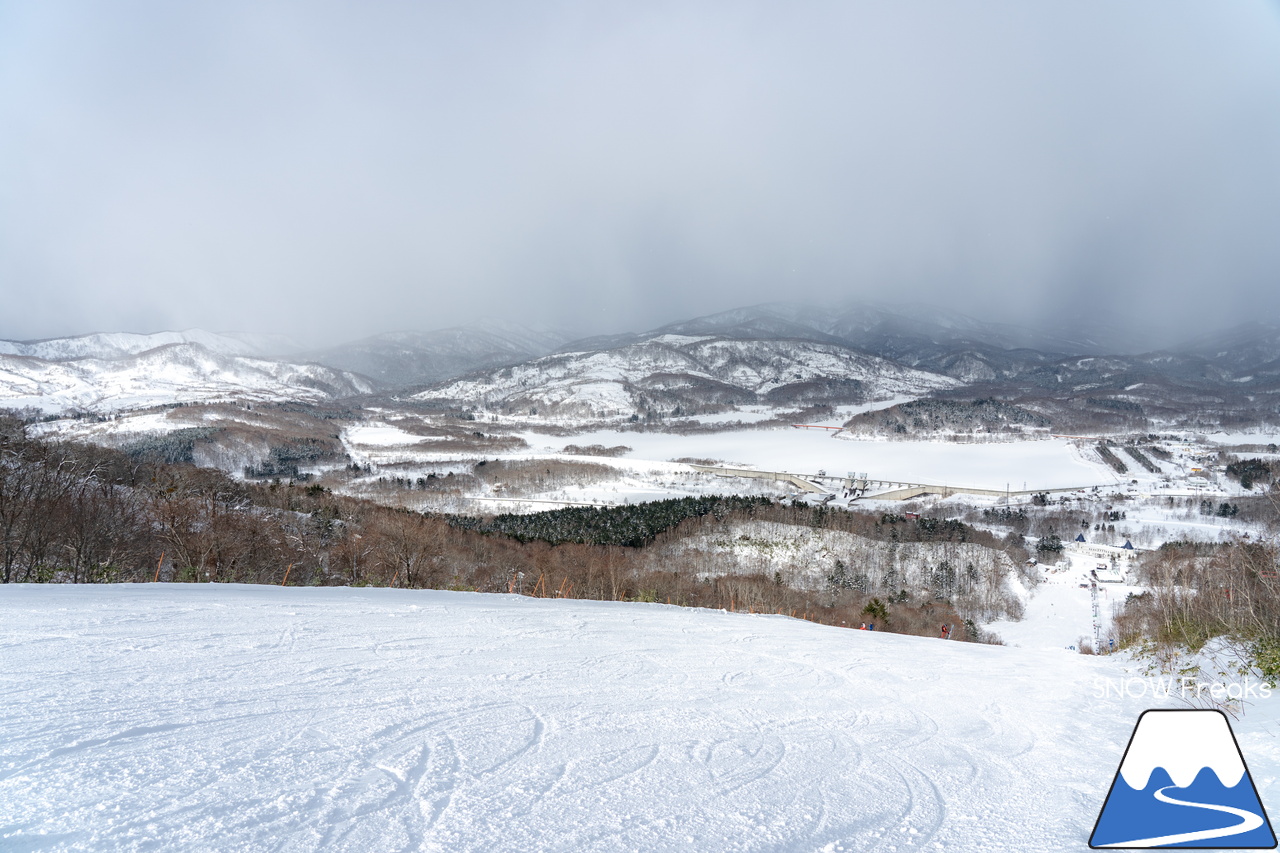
x=167 y=717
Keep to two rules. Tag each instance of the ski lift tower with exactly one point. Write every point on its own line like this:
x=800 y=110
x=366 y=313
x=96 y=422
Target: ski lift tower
x=1097 y=619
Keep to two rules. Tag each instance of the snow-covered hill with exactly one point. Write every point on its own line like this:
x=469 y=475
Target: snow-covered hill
x=674 y=374
x=109 y=345
x=183 y=372
x=209 y=717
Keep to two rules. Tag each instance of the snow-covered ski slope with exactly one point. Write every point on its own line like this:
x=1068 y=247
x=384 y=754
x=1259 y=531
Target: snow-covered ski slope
x=210 y=717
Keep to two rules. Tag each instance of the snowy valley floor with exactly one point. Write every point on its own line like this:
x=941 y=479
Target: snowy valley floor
x=176 y=717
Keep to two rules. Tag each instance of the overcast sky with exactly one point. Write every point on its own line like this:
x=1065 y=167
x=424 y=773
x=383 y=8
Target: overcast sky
x=331 y=170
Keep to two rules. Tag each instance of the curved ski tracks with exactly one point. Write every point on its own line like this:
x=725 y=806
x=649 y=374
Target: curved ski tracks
x=509 y=724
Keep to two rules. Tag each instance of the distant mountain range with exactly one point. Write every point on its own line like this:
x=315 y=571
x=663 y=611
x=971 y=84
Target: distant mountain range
x=788 y=354
x=778 y=353
x=407 y=359
x=952 y=344
x=109 y=372
x=110 y=345
x=121 y=370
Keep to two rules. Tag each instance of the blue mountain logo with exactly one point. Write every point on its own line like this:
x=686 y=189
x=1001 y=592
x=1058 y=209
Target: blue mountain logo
x=1183 y=783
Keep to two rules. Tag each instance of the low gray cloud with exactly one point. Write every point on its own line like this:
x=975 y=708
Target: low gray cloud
x=333 y=170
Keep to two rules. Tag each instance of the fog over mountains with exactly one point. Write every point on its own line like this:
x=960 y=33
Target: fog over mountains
x=779 y=354
x=401 y=359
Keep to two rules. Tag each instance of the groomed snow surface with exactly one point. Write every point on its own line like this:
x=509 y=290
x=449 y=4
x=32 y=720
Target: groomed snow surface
x=174 y=717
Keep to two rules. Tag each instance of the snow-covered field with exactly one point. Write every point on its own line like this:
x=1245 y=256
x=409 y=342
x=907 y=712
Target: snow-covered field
x=1027 y=464
x=1260 y=436
x=127 y=427
x=1033 y=464
x=383 y=435
x=645 y=470
x=179 y=717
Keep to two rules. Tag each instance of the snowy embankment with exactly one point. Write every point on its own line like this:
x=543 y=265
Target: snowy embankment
x=251 y=718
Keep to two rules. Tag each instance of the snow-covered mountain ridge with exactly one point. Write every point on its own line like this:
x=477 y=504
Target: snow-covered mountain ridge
x=108 y=345
x=778 y=354
x=179 y=372
x=672 y=373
